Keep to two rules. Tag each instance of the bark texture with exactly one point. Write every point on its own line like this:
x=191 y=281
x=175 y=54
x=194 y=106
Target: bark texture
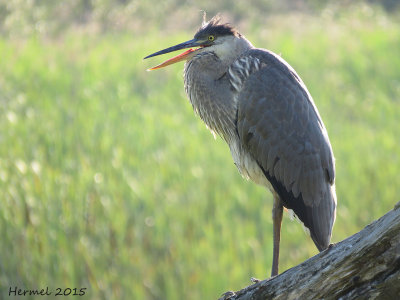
x=363 y=266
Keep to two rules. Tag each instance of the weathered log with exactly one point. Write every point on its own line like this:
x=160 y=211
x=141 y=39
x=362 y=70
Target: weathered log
x=363 y=266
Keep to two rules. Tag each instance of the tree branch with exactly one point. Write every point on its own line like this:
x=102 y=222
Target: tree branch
x=363 y=266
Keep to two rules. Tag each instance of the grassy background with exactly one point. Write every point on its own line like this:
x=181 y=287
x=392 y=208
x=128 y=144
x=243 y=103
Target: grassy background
x=109 y=182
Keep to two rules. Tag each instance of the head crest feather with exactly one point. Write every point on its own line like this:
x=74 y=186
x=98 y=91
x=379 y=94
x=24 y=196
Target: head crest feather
x=216 y=26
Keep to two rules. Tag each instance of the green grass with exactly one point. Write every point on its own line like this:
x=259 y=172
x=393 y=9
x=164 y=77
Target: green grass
x=109 y=182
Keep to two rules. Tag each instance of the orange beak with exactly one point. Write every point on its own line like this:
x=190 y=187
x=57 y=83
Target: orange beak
x=183 y=56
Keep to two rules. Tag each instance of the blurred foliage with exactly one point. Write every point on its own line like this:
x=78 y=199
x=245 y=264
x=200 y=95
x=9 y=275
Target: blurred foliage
x=48 y=17
x=109 y=182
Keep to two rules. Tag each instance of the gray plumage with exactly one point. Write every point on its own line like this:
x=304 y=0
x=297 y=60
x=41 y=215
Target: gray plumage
x=257 y=103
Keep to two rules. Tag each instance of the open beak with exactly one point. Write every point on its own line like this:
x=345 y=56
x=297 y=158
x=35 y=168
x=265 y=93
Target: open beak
x=183 y=56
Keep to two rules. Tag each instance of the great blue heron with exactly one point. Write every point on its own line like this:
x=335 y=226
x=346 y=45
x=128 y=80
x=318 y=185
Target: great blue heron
x=258 y=104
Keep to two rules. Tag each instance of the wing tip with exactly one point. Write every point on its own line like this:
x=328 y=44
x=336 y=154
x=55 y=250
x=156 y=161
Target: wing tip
x=318 y=219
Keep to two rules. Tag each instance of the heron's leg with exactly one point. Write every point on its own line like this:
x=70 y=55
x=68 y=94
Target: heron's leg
x=277 y=212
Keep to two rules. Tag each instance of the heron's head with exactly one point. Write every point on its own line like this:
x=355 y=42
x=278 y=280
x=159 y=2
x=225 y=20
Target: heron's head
x=220 y=38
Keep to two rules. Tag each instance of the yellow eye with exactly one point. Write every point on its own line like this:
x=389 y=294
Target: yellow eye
x=211 y=38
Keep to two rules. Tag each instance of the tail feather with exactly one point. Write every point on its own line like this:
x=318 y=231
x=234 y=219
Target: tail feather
x=319 y=219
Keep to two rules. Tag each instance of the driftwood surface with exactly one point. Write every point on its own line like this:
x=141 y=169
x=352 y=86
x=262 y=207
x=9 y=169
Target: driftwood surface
x=363 y=266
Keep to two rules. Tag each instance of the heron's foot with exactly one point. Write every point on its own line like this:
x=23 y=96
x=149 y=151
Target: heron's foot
x=254 y=280
x=228 y=295
x=331 y=245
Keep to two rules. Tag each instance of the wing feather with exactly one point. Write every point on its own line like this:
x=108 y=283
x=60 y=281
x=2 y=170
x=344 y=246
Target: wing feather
x=289 y=142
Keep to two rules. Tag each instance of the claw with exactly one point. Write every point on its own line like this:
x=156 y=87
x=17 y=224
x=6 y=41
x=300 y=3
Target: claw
x=227 y=296
x=254 y=280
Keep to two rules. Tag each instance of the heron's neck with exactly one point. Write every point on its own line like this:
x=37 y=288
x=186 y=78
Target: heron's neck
x=231 y=50
x=208 y=86
x=209 y=92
